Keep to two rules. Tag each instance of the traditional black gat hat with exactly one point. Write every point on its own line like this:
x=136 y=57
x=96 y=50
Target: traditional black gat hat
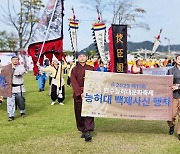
x=82 y=52
x=14 y=57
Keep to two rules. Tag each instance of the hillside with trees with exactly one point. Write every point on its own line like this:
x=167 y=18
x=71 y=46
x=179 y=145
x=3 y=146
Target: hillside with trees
x=134 y=46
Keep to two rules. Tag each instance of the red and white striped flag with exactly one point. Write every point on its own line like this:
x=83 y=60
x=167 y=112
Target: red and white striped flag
x=156 y=43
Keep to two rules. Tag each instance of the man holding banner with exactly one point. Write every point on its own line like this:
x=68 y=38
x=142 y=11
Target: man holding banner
x=175 y=71
x=84 y=124
x=17 y=97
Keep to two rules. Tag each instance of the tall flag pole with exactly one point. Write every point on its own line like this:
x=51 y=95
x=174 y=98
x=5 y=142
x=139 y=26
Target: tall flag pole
x=99 y=36
x=156 y=43
x=47 y=39
x=47 y=32
x=73 y=27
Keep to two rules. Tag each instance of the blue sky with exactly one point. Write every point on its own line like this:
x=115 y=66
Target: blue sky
x=160 y=14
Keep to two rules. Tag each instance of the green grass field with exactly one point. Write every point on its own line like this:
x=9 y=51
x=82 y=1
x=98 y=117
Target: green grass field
x=51 y=129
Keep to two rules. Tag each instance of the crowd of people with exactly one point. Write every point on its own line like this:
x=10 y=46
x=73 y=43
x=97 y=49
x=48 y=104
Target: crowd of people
x=153 y=63
x=99 y=65
x=76 y=74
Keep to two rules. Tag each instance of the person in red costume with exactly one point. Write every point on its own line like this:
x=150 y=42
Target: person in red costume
x=84 y=124
x=137 y=69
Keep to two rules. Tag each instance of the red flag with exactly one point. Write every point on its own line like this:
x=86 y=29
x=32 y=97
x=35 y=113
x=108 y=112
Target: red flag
x=156 y=43
x=48 y=36
x=111 y=50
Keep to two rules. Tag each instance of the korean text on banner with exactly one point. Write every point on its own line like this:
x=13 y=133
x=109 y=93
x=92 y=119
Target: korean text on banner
x=128 y=96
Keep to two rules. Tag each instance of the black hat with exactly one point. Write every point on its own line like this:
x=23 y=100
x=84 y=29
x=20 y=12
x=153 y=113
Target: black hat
x=82 y=52
x=14 y=57
x=177 y=55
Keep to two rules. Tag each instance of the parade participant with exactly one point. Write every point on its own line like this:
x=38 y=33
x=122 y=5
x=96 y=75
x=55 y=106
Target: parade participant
x=169 y=63
x=137 y=69
x=165 y=62
x=50 y=83
x=17 y=89
x=175 y=71
x=57 y=83
x=101 y=67
x=96 y=63
x=42 y=77
x=173 y=62
x=69 y=74
x=1 y=97
x=84 y=124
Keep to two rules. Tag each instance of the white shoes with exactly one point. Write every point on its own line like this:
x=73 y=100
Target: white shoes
x=53 y=103
x=61 y=103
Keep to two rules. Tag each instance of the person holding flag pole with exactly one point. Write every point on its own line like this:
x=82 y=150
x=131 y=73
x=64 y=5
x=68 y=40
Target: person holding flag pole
x=57 y=84
x=47 y=41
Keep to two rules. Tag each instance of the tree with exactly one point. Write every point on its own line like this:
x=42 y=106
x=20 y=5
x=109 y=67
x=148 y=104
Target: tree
x=91 y=53
x=8 y=41
x=126 y=13
x=96 y=5
x=24 y=19
x=68 y=53
x=123 y=12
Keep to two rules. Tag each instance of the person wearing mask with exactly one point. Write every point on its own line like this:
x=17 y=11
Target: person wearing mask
x=84 y=124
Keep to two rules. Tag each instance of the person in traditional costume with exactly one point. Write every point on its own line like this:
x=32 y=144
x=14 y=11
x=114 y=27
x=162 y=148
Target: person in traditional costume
x=57 y=83
x=69 y=73
x=175 y=71
x=42 y=77
x=101 y=67
x=137 y=69
x=18 y=90
x=84 y=124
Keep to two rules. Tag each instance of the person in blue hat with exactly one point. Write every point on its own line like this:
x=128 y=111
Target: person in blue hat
x=84 y=124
